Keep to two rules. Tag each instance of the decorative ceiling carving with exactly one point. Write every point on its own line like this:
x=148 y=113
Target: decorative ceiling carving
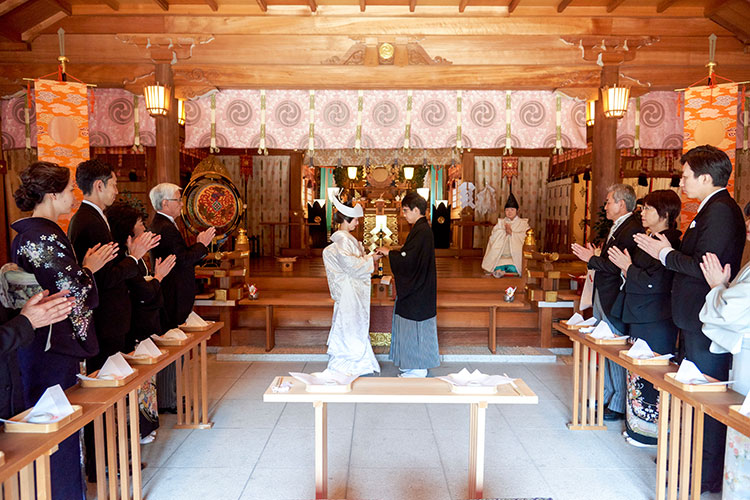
x=407 y=51
x=165 y=47
x=609 y=50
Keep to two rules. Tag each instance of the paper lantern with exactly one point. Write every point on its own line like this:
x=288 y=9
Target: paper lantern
x=181 y=112
x=615 y=101
x=408 y=173
x=351 y=172
x=590 y=113
x=157 y=99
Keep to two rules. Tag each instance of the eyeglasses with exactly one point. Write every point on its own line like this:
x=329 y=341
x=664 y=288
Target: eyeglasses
x=172 y=199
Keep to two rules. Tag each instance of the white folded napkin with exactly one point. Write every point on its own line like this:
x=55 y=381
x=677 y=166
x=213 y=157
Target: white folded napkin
x=326 y=377
x=147 y=349
x=575 y=319
x=475 y=378
x=173 y=334
x=641 y=350
x=603 y=331
x=588 y=322
x=745 y=408
x=194 y=320
x=115 y=368
x=688 y=373
x=587 y=329
x=51 y=407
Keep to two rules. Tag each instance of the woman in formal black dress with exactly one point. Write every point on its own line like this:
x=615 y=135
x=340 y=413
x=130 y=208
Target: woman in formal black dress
x=126 y=223
x=42 y=248
x=644 y=305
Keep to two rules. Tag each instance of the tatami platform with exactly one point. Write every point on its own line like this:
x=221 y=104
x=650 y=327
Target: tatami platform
x=260 y=450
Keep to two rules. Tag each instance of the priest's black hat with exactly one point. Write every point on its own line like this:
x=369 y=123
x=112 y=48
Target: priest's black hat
x=511 y=202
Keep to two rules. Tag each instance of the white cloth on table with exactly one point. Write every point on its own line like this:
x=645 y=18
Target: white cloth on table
x=500 y=240
x=349 y=271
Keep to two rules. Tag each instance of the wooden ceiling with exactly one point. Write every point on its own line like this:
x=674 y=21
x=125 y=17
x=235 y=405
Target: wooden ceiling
x=439 y=44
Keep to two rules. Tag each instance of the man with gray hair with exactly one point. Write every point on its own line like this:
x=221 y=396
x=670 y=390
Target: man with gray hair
x=178 y=287
x=607 y=282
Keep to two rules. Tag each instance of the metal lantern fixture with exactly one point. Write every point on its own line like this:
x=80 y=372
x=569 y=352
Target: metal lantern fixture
x=157 y=99
x=590 y=113
x=181 y=112
x=408 y=173
x=351 y=172
x=615 y=101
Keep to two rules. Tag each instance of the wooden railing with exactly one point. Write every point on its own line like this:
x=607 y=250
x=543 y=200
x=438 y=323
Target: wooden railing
x=25 y=473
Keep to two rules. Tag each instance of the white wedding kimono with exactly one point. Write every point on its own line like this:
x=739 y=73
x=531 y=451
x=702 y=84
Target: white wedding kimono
x=504 y=249
x=349 y=272
x=726 y=321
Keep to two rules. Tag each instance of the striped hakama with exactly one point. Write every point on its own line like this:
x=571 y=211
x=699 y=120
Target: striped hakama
x=414 y=344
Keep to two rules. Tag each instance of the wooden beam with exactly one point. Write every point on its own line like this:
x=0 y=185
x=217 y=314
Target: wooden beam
x=713 y=7
x=362 y=5
x=64 y=6
x=564 y=3
x=313 y=5
x=512 y=6
x=462 y=5
x=30 y=34
x=263 y=5
x=15 y=46
x=613 y=4
x=8 y=5
x=112 y=4
x=163 y=4
x=7 y=32
x=664 y=5
x=212 y=4
x=412 y=5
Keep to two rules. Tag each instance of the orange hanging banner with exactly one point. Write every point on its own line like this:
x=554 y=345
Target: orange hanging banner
x=710 y=118
x=62 y=127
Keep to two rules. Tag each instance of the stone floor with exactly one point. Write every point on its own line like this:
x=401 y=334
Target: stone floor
x=260 y=450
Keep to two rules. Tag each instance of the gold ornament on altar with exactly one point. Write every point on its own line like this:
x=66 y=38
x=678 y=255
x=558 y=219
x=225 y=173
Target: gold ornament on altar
x=386 y=50
x=530 y=240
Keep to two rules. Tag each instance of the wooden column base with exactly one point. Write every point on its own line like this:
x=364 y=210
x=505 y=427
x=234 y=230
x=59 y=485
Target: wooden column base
x=192 y=389
x=588 y=390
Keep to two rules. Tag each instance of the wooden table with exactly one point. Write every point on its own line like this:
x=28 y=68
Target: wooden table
x=681 y=415
x=401 y=390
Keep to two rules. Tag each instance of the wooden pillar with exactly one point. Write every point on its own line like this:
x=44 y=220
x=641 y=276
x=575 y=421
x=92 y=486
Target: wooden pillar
x=605 y=164
x=295 y=200
x=167 y=131
x=467 y=213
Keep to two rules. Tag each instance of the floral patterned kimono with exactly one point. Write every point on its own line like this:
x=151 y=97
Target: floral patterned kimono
x=41 y=248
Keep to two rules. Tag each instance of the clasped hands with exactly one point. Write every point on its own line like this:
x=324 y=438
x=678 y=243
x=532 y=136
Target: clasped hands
x=381 y=252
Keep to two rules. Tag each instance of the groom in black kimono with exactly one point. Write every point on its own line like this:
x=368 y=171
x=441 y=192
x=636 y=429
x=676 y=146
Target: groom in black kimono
x=414 y=343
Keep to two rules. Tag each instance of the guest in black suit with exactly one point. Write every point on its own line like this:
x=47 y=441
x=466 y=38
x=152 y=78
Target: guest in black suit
x=89 y=227
x=644 y=305
x=178 y=287
x=607 y=281
x=717 y=228
x=147 y=304
x=18 y=331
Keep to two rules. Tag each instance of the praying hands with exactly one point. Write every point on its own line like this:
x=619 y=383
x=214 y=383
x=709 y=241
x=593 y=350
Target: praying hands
x=650 y=245
x=620 y=258
x=583 y=253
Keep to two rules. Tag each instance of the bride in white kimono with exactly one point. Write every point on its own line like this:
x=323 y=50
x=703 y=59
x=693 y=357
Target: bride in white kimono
x=504 y=253
x=349 y=272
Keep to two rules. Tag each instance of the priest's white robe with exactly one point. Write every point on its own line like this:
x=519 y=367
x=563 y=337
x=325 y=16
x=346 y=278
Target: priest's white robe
x=349 y=271
x=726 y=321
x=502 y=243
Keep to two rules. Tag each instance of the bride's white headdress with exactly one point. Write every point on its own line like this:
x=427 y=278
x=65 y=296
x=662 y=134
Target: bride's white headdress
x=355 y=211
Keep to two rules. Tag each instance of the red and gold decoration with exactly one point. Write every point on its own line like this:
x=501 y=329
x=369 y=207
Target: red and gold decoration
x=212 y=199
x=62 y=119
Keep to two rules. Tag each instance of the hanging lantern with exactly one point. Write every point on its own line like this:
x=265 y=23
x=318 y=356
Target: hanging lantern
x=351 y=172
x=615 y=101
x=587 y=176
x=590 y=113
x=157 y=99
x=181 y=112
x=642 y=179
x=408 y=173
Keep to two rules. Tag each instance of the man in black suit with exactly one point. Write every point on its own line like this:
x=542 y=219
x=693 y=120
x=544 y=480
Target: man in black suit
x=89 y=228
x=718 y=228
x=178 y=287
x=607 y=282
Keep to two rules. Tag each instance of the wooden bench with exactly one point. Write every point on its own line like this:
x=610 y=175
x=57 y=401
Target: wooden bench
x=470 y=301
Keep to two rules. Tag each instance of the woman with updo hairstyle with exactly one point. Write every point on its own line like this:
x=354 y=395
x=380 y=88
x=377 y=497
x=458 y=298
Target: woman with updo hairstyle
x=349 y=271
x=126 y=222
x=645 y=306
x=43 y=250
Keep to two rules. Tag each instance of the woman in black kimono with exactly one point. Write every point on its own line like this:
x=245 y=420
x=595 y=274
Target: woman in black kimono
x=41 y=248
x=126 y=222
x=644 y=305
